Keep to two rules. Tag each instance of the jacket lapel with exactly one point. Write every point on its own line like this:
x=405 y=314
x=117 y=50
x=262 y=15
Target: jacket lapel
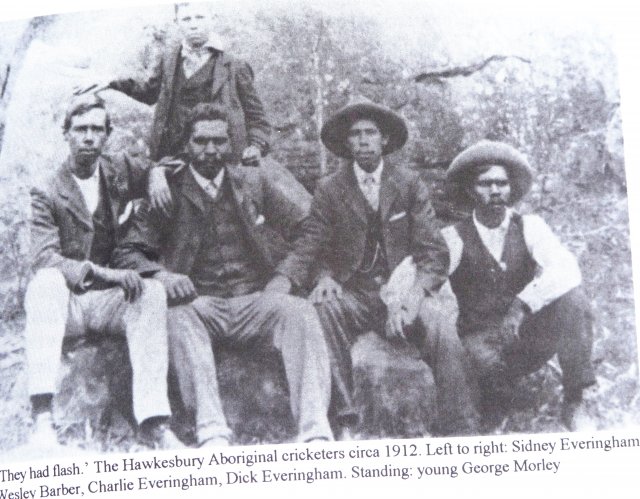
x=192 y=191
x=220 y=73
x=114 y=186
x=170 y=68
x=388 y=191
x=72 y=198
x=248 y=206
x=351 y=195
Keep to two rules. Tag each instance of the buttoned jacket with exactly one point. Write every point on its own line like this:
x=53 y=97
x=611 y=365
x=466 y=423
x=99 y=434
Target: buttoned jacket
x=61 y=226
x=232 y=87
x=335 y=233
x=270 y=204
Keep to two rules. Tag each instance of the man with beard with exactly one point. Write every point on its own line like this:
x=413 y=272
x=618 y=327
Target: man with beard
x=518 y=288
x=196 y=69
x=76 y=219
x=214 y=253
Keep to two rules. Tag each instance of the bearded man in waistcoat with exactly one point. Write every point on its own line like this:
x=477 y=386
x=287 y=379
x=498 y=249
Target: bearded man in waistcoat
x=215 y=252
x=195 y=69
x=365 y=221
x=518 y=288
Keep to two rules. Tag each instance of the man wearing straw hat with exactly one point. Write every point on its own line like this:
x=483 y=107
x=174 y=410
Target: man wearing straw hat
x=518 y=288
x=366 y=220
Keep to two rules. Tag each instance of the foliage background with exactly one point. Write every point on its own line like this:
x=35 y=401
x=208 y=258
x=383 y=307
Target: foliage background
x=544 y=83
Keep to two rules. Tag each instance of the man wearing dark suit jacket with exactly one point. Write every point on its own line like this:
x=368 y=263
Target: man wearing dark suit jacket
x=364 y=221
x=228 y=229
x=77 y=218
x=193 y=70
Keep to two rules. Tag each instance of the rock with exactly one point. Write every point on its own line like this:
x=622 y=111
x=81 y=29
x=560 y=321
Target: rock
x=94 y=397
x=394 y=389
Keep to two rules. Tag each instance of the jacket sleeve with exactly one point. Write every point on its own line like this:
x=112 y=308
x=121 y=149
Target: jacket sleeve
x=140 y=248
x=137 y=175
x=257 y=125
x=45 y=244
x=287 y=201
x=146 y=91
x=317 y=232
x=428 y=247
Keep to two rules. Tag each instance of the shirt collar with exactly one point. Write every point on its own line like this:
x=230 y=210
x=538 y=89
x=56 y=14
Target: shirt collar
x=361 y=174
x=504 y=225
x=204 y=182
x=214 y=42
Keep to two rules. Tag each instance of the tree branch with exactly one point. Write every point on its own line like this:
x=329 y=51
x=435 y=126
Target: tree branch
x=435 y=76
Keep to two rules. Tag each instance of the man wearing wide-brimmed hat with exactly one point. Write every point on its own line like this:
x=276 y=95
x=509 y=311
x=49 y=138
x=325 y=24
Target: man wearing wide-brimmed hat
x=518 y=287
x=366 y=220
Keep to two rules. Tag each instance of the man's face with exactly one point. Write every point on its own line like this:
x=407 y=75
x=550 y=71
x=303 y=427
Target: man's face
x=209 y=147
x=492 y=189
x=86 y=137
x=194 y=23
x=366 y=143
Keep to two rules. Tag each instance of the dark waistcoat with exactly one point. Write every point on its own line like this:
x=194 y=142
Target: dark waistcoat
x=374 y=269
x=483 y=288
x=187 y=94
x=225 y=265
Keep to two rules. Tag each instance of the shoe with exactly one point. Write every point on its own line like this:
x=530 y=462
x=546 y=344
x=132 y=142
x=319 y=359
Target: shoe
x=215 y=442
x=44 y=434
x=159 y=436
x=578 y=410
x=347 y=434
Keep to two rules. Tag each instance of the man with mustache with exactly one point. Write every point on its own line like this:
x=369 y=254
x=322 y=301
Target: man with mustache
x=215 y=252
x=369 y=218
x=518 y=288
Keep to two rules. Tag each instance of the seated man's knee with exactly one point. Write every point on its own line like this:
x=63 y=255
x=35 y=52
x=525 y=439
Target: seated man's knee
x=47 y=284
x=153 y=291
x=439 y=317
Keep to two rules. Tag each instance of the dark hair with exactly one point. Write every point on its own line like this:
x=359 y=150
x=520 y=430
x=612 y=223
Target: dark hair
x=204 y=111
x=83 y=106
x=176 y=7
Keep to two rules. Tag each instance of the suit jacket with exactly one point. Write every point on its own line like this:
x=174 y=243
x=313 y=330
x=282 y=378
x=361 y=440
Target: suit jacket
x=61 y=225
x=271 y=205
x=335 y=233
x=232 y=88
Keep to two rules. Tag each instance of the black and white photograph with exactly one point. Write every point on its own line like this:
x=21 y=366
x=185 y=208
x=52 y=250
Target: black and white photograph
x=227 y=225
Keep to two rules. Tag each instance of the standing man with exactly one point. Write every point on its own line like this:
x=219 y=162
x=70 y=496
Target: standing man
x=215 y=253
x=364 y=221
x=77 y=218
x=518 y=288
x=197 y=69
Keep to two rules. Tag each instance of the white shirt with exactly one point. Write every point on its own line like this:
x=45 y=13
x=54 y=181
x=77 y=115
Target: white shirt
x=90 y=189
x=194 y=58
x=557 y=272
x=211 y=187
x=369 y=183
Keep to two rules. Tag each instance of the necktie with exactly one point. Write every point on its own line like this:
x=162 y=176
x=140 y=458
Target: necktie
x=212 y=189
x=370 y=192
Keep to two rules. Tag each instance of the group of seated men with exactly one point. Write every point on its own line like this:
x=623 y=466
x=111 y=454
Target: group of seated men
x=212 y=251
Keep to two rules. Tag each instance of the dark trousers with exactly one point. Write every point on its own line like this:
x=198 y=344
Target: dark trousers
x=433 y=333
x=565 y=327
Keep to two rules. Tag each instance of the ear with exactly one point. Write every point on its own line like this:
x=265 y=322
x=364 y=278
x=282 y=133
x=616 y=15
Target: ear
x=385 y=140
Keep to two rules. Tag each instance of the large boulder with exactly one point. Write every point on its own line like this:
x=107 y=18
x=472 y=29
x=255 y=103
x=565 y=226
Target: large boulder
x=394 y=391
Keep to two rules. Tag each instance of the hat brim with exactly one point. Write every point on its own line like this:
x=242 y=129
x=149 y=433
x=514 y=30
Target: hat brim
x=335 y=131
x=468 y=163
